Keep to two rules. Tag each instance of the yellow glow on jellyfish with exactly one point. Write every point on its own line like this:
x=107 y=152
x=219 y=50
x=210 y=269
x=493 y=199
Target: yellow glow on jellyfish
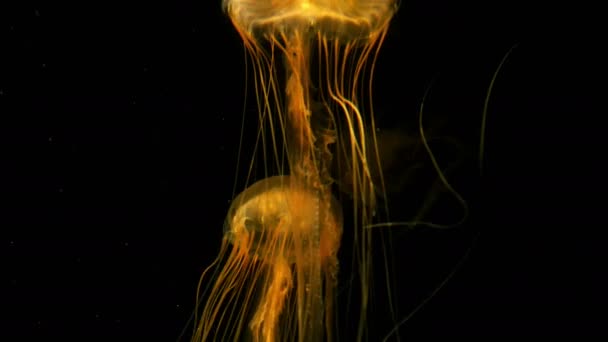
x=277 y=270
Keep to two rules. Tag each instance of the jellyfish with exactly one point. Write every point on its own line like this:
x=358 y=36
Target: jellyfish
x=272 y=228
x=316 y=156
x=276 y=276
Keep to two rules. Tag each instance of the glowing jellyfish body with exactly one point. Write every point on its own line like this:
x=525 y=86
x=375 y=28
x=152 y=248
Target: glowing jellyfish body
x=336 y=19
x=278 y=274
x=279 y=221
x=284 y=240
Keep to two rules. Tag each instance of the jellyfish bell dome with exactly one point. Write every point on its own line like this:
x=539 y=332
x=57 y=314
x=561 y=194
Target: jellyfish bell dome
x=348 y=20
x=279 y=215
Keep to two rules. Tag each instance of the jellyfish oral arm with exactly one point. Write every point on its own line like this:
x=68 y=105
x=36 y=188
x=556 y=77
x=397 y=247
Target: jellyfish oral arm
x=264 y=322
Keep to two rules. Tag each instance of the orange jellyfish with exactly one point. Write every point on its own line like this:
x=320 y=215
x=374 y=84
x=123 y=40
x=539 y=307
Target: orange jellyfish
x=276 y=276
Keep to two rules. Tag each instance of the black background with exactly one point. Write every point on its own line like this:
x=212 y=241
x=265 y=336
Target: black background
x=119 y=129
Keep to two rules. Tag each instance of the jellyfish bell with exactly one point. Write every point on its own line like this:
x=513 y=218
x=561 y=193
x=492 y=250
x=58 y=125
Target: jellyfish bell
x=346 y=20
x=277 y=216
